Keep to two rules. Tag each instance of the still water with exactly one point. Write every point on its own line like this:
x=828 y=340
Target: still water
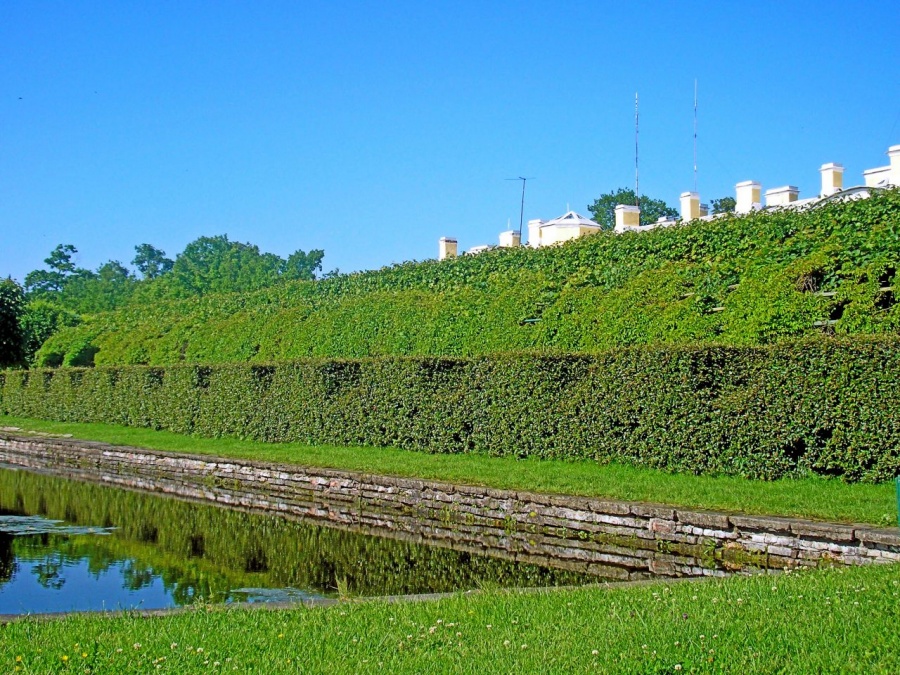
x=67 y=545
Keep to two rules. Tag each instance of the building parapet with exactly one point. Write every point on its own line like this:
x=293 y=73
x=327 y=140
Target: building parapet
x=748 y=198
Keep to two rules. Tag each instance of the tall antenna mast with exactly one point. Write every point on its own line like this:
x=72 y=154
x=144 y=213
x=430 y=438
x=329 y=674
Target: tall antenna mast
x=522 y=207
x=695 y=134
x=637 y=183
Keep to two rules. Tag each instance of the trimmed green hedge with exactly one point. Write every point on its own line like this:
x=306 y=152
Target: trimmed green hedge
x=827 y=406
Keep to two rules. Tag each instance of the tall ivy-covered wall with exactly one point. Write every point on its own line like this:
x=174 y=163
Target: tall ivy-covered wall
x=756 y=279
x=830 y=407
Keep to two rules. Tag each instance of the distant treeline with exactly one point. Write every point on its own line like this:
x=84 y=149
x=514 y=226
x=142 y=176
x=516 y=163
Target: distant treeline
x=207 y=265
x=61 y=293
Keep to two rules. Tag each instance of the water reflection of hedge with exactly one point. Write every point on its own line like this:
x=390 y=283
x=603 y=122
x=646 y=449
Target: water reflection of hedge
x=7 y=558
x=184 y=580
x=252 y=549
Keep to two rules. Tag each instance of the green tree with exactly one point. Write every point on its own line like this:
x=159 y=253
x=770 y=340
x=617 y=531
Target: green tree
x=604 y=208
x=40 y=320
x=49 y=283
x=113 y=271
x=302 y=265
x=217 y=265
x=44 y=282
x=108 y=288
x=60 y=259
x=12 y=304
x=151 y=262
x=723 y=205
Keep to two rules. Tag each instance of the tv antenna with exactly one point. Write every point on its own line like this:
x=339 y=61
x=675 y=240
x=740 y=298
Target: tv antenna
x=522 y=207
x=637 y=184
x=695 y=134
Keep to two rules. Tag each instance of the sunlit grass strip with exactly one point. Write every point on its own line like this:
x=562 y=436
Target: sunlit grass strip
x=812 y=497
x=808 y=622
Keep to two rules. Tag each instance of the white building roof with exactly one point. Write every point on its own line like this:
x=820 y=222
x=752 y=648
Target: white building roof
x=571 y=219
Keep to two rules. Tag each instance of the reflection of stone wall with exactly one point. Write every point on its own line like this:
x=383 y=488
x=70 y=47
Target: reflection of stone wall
x=203 y=549
x=618 y=540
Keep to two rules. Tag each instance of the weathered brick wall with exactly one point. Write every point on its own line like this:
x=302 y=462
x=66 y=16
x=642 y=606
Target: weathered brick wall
x=615 y=540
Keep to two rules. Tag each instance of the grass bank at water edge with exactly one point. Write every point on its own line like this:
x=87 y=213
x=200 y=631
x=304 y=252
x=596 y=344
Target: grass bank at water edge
x=842 y=620
x=813 y=497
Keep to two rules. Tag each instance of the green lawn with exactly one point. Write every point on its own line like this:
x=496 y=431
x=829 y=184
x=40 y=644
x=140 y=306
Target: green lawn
x=823 y=621
x=808 y=497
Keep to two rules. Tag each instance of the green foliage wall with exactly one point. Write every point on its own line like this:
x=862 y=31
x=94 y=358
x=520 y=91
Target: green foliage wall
x=756 y=279
x=827 y=407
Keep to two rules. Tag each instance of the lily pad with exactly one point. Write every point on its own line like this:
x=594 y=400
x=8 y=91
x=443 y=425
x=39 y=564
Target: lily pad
x=28 y=525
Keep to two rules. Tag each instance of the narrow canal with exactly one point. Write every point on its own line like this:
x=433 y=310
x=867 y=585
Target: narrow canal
x=67 y=545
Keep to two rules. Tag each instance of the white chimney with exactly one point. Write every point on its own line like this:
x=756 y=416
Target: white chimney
x=447 y=248
x=877 y=177
x=782 y=196
x=884 y=176
x=510 y=239
x=832 y=178
x=747 y=196
x=627 y=217
x=894 y=154
x=690 y=206
x=534 y=232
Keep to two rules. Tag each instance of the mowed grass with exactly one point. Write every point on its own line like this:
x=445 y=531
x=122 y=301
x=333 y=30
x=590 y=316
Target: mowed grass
x=813 y=497
x=841 y=620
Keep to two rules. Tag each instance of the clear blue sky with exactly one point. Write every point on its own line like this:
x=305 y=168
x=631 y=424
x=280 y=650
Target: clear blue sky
x=370 y=129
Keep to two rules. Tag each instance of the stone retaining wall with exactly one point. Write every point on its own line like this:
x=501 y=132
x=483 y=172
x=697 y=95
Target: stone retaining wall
x=612 y=539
